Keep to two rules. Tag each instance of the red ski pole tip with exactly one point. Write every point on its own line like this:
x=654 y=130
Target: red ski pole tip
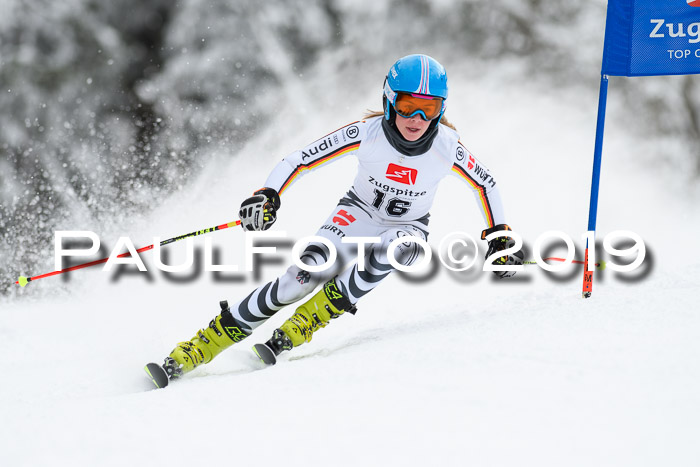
x=22 y=281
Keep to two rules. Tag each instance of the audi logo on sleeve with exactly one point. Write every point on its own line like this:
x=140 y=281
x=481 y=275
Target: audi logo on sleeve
x=405 y=175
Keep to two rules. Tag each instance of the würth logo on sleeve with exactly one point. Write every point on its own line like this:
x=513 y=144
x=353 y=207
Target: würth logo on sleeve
x=343 y=218
x=400 y=174
x=470 y=164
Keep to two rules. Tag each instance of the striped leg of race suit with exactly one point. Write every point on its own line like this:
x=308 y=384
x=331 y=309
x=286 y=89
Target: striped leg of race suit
x=288 y=288
x=354 y=283
x=296 y=283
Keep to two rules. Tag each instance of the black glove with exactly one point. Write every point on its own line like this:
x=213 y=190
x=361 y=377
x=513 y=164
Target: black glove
x=259 y=211
x=499 y=244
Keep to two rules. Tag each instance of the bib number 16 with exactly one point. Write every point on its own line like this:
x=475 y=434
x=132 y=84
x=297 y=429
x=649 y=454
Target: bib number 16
x=394 y=207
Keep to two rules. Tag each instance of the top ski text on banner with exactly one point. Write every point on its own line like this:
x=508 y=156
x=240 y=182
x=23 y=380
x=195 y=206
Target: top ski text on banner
x=652 y=37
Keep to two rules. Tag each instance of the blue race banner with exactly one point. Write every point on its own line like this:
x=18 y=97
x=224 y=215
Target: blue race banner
x=652 y=37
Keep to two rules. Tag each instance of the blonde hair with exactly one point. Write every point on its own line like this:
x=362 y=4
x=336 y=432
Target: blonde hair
x=377 y=113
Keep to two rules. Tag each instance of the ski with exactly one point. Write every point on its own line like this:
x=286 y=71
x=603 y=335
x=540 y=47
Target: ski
x=265 y=353
x=157 y=374
x=160 y=375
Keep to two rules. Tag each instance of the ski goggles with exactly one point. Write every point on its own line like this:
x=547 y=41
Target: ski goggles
x=409 y=104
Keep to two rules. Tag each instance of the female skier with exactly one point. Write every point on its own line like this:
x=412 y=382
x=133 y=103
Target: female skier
x=403 y=154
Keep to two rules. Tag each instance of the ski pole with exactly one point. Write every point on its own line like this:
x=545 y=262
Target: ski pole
x=22 y=281
x=600 y=265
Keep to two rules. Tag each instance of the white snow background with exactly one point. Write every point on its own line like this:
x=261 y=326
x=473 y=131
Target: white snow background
x=458 y=369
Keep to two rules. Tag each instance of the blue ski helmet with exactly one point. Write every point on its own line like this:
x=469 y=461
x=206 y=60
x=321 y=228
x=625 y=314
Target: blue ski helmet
x=417 y=74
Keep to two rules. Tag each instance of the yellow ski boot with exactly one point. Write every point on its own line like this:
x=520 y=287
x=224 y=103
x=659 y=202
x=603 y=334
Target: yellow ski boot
x=327 y=304
x=223 y=331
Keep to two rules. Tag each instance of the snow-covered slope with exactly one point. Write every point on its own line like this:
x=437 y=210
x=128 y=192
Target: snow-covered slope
x=452 y=369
